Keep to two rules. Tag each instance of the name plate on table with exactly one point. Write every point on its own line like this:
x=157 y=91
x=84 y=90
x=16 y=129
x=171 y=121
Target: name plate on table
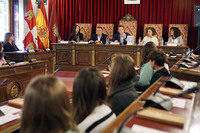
x=172 y=44
x=82 y=42
x=114 y=43
x=64 y=41
x=161 y=116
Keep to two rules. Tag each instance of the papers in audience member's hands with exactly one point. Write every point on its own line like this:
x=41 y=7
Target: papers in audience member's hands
x=10 y=114
x=179 y=103
x=141 y=129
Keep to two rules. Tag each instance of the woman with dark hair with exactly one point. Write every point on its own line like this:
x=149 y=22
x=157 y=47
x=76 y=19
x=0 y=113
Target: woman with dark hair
x=175 y=37
x=46 y=107
x=76 y=36
x=146 y=70
x=90 y=110
x=121 y=89
x=9 y=45
x=2 y=60
x=150 y=36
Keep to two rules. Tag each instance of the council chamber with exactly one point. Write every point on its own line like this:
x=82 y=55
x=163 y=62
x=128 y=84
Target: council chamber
x=100 y=66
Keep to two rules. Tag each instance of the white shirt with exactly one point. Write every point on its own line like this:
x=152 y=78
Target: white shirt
x=150 y=39
x=98 y=113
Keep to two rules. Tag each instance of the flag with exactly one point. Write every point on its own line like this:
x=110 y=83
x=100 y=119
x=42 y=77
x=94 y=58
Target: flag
x=30 y=29
x=42 y=28
x=53 y=24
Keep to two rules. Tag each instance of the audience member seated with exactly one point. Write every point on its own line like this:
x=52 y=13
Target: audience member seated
x=121 y=37
x=150 y=36
x=76 y=36
x=158 y=59
x=2 y=60
x=90 y=110
x=9 y=45
x=146 y=70
x=99 y=37
x=121 y=89
x=46 y=107
x=175 y=37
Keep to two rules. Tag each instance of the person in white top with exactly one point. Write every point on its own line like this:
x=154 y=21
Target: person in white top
x=175 y=37
x=150 y=36
x=90 y=110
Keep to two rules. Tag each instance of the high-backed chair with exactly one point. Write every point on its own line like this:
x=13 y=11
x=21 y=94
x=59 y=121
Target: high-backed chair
x=183 y=29
x=130 y=25
x=107 y=29
x=158 y=28
x=86 y=30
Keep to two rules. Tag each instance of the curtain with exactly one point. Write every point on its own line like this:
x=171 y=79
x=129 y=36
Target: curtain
x=111 y=11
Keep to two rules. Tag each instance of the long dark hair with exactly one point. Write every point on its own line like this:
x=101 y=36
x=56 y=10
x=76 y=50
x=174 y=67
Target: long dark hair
x=74 y=30
x=46 y=107
x=122 y=68
x=147 y=49
x=177 y=32
x=7 y=36
x=89 y=91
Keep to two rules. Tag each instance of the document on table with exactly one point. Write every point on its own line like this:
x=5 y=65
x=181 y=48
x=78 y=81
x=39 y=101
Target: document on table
x=179 y=103
x=141 y=129
x=188 y=84
x=10 y=114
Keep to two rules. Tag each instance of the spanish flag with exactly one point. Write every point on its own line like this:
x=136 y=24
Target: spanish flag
x=42 y=28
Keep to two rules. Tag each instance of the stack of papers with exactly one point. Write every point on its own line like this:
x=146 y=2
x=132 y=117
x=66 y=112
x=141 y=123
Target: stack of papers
x=10 y=114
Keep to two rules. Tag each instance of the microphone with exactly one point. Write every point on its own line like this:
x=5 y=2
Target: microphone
x=4 y=81
x=152 y=104
x=57 y=70
x=10 y=63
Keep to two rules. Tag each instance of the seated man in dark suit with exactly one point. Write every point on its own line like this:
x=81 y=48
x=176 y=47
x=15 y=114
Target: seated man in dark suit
x=121 y=36
x=99 y=37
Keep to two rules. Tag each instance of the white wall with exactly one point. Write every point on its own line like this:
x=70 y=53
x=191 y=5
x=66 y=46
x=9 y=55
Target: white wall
x=21 y=19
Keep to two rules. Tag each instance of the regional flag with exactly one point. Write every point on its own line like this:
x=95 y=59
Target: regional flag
x=42 y=28
x=30 y=29
x=53 y=24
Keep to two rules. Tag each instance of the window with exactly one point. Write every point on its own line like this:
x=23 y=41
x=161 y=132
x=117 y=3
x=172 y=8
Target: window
x=4 y=18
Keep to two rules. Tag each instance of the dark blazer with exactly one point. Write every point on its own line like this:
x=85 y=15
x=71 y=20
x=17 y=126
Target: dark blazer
x=158 y=74
x=9 y=48
x=72 y=37
x=117 y=37
x=102 y=39
x=122 y=96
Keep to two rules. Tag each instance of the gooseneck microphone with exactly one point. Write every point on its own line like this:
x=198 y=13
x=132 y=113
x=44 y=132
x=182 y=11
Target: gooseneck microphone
x=4 y=81
x=56 y=71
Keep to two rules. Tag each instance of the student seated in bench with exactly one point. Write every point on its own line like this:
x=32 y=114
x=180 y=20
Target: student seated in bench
x=158 y=59
x=90 y=109
x=46 y=107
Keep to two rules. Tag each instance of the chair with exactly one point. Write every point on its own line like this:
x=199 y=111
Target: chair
x=130 y=25
x=158 y=28
x=183 y=29
x=86 y=30
x=107 y=29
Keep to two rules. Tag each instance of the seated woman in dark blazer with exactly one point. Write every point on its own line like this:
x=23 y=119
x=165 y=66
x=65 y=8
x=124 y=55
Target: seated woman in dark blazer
x=9 y=45
x=76 y=36
x=99 y=37
x=121 y=37
x=121 y=90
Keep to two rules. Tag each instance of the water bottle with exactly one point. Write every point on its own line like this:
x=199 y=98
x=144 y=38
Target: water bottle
x=107 y=40
x=139 y=41
x=78 y=39
x=188 y=52
x=162 y=42
x=59 y=39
